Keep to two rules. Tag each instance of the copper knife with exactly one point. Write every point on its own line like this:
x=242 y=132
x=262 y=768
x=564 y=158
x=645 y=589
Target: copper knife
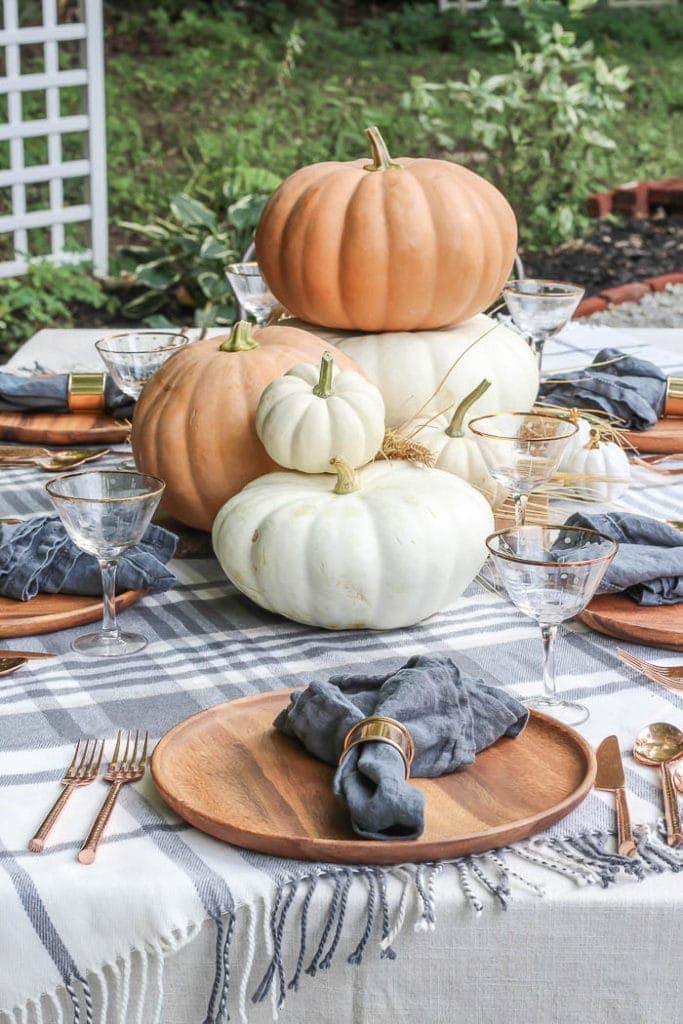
x=610 y=776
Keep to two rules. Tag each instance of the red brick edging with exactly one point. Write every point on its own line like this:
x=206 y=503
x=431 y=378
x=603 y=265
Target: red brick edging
x=638 y=198
x=626 y=293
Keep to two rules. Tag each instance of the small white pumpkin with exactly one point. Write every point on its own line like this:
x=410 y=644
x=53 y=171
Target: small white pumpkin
x=456 y=450
x=310 y=415
x=577 y=441
x=379 y=549
x=599 y=468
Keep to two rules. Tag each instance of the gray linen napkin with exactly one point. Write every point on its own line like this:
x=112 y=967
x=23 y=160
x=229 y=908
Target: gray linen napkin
x=649 y=563
x=450 y=716
x=631 y=389
x=49 y=394
x=38 y=555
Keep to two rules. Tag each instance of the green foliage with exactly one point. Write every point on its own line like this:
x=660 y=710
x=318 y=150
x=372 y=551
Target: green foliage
x=545 y=127
x=46 y=296
x=182 y=265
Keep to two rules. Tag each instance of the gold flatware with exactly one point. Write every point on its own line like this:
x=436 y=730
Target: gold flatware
x=79 y=773
x=664 y=675
x=658 y=745
x=127 y=769
x=52 y=461
x=28 y=655
x=610 y=777
x=9 y=664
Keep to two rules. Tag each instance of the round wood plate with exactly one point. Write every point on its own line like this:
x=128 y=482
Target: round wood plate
x=619 y=616
x=47 y=613
x=666 y=437
x=229 y=773
x=63 y=428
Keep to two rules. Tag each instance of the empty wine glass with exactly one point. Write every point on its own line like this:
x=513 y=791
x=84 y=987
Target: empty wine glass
x=550 y=573
x=521 y=450
x=133 y=357
x=251 y=290
x=541 y=308
x=105 y=512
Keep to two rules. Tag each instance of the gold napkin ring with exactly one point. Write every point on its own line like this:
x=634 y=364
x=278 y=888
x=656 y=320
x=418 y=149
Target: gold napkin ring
x=673 y=402
x=85 y=392
x=381 y=730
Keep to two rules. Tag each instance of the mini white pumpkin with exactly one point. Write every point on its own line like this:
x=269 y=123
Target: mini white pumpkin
x=310 y=415
x=456 y=449
x=422 y=373
x=599 y=468
x=577 y=441
x=382 y=548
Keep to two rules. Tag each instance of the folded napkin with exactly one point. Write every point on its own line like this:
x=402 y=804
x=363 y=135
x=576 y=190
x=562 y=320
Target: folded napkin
x=450 y=717
x=37 y=555
x=50 y=394
x=631 y=389
x=649 y=563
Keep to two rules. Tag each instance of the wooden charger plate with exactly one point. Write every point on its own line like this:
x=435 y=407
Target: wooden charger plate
x=665 y=438
x=62 y=428
x=229 y=773
x=619 y=616
x=47 y=613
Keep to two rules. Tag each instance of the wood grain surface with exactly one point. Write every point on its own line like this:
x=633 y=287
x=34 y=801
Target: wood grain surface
x=229 y=773
x=47 y=613
x=666 y=437
x=62 y=428
x=619 y=616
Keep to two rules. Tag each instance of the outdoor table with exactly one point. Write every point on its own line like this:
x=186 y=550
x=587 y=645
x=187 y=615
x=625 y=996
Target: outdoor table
x=578 y=953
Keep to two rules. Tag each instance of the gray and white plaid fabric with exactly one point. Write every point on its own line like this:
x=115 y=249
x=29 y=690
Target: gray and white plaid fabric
x=69 y=932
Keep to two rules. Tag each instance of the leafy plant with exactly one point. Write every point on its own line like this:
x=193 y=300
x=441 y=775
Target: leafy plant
x=544 y=126
x=182 y=266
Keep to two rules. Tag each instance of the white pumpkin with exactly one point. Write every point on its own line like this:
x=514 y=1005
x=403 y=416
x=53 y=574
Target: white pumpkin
x=380 y=549
x=313 y=414
x=577 y=441
x=456 y=449
x=416 y=374
x=603 y=460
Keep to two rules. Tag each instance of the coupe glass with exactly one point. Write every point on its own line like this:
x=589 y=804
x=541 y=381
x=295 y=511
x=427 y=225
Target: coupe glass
x=541 y=308
x=132 y=358
x=105 y=512
x=550 y=573
x=521 y=450
x=251 y=290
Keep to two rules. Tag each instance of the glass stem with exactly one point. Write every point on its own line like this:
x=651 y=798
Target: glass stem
x=109 y=626
x=520 y=501
x=537 y=349
x=548 y=636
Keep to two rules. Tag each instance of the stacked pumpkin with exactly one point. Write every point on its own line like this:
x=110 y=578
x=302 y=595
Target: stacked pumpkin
x=387 y=265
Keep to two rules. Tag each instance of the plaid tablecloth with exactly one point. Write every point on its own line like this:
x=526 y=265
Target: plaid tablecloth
x=90 y=943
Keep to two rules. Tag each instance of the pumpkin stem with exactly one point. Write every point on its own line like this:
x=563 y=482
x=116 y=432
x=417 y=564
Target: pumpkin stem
x=594 y=439
x=381 y=161
x=240 y=339
x=455 y=427
x=574 y=416
x=323 y=388
x=347 y=478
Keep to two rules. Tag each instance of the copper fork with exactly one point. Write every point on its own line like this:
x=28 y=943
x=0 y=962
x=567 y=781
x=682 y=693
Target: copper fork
x=126 y=768
x=79 y=773
x=671 y=677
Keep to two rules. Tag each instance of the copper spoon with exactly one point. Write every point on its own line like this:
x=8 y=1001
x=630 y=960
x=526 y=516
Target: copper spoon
x=10 y=665
x=660 y=744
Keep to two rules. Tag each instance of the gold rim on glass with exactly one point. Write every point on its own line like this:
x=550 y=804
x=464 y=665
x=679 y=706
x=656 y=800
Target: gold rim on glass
x=104 y=472
x=569 y=289
x=101 y=342
x=552 y=526
x=527 y=415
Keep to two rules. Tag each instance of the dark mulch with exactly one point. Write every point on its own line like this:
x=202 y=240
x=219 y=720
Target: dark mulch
x=613 y=253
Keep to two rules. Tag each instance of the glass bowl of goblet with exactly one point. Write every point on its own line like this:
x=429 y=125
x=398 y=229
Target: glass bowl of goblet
x=541 y=308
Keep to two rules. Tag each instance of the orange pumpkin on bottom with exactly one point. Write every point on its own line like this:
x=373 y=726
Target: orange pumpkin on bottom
x=194 y=424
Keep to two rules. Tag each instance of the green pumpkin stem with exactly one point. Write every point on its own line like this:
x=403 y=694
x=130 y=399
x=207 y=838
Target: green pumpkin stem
x=323 y=389
x=240 y=339
x=381 y=161
x=455 y=427
x=347 y=478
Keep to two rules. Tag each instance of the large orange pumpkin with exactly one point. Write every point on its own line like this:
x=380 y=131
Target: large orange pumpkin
x=194 y=424
x=391 y=245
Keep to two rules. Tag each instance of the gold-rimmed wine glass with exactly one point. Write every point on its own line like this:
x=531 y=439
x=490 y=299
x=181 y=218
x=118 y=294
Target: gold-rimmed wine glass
x=251 y=290
x=551 y=573
x=521 y=450
x=541 y=308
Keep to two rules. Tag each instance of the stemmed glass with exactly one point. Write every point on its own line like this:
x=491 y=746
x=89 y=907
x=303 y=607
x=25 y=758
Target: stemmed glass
x=133 y=357
x=521 y=450
x=105 y=512
x=251 y=290
x=541 y=308
x=550 y=573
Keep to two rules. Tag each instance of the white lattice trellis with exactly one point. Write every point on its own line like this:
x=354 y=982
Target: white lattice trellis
x=86 y=127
